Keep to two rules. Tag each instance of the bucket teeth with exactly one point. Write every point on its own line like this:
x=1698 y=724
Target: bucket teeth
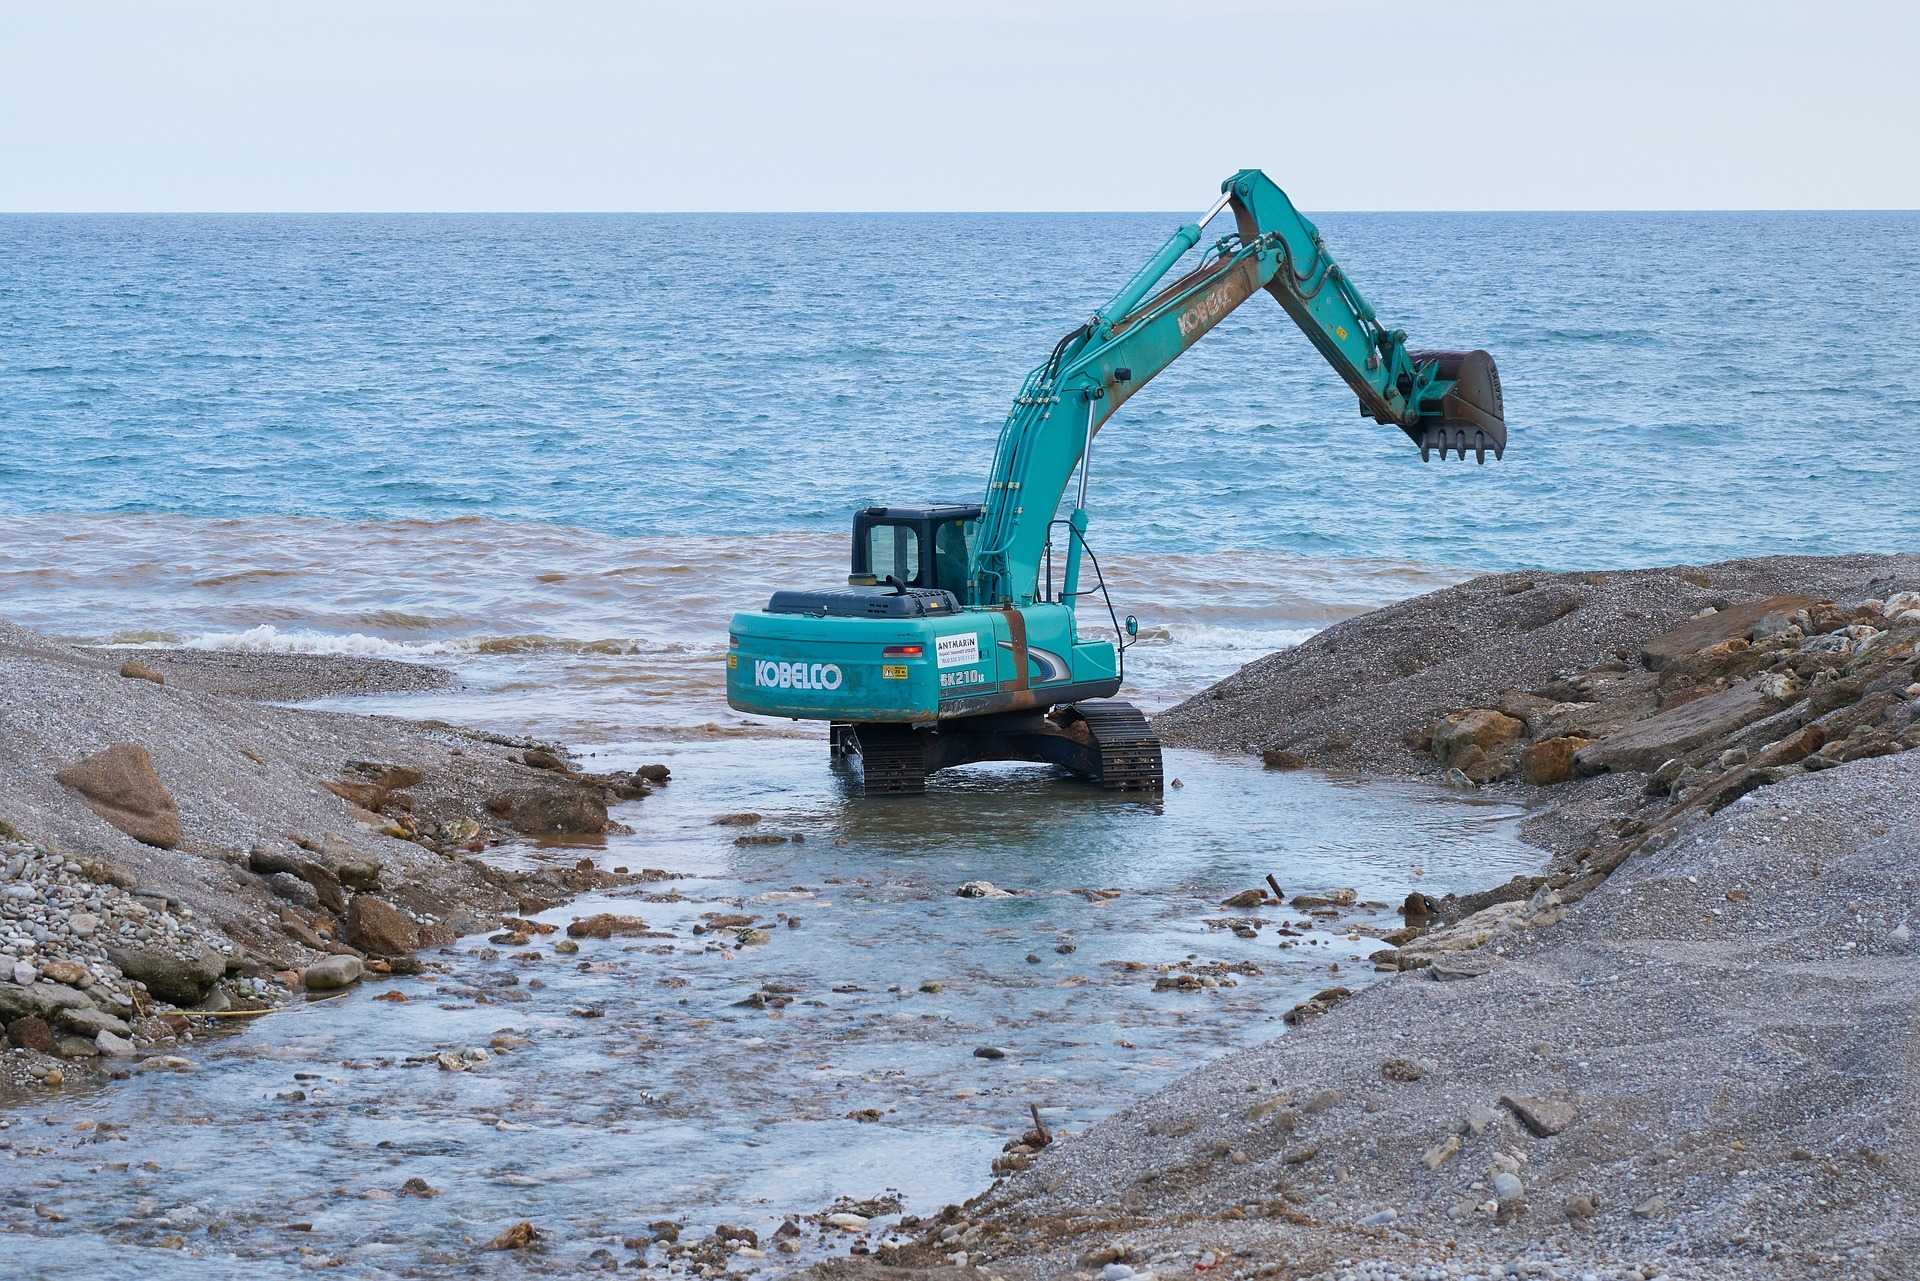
x=1456 y=440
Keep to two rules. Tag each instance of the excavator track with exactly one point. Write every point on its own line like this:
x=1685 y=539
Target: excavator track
x=1127 y=749
x=893 y=759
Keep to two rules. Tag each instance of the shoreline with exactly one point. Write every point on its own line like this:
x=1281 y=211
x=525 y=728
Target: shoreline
x=1503 y=951
x=240 y=853
x=1665 y=1056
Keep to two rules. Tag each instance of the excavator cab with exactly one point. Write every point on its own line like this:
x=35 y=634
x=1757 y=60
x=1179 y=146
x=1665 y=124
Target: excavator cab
x=919 y=547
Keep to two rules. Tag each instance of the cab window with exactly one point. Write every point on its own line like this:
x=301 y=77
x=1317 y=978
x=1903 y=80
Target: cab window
x=950 y=543
x=894 y=550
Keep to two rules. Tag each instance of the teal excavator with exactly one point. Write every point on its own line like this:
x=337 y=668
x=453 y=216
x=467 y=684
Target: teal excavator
x=953 y=642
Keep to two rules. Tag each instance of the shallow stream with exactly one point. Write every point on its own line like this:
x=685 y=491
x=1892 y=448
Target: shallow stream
x=647 y=1090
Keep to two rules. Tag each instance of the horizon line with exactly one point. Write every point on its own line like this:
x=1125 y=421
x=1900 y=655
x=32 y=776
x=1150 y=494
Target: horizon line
x=893 y=213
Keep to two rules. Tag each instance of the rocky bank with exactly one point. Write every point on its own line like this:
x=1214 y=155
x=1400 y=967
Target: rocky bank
x=1687 y=1049
x=175 y=854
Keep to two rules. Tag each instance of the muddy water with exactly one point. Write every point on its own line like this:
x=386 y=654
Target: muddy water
x=646 y=1089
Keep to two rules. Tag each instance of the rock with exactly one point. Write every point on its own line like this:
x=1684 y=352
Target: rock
x=293 y=889
x=418 y=1187
x=134 y=669
x=76 y=1047
x=654 y=773
x=1545 y=1117
x=1651 y=1206
x=1246 y=898
x=31 y=1032
x=989 y=1052
x=520 y=1236
x=44 y=999
x=1480 y=1119
x=1381 y=1218
x=1646 y=745
x=1447 y=967
x=71 y=973
x=377 y=927
x=554 y=811
x=332 y=895
x=1281 y=759
x=845 y=1222
x=119 y=784
x=267 y=861
x=1442 y=1152
x=1493 y=733
x=181 y=980
x=1507 y=1187
x=543 y=758
x=1332 y=898
x=1464 y=935
x=1317 y=1004
x=24 y=974
x=1734 y=622
x=86 y=1021
x=358 y=874
x=1115 y=1272
x=332 y=973
x=1550 y=760
x=982 y=889
x=743 y=819
x=112 y=1046
x=605 y=925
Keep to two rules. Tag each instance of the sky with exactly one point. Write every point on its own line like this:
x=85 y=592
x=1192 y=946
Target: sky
x=210 y=105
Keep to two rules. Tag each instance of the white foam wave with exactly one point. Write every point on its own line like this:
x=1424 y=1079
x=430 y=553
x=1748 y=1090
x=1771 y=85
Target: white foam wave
x=1219 y=637
x=268 y=639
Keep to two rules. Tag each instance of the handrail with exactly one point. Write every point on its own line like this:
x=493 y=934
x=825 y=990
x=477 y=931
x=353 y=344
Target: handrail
x=1120 y=642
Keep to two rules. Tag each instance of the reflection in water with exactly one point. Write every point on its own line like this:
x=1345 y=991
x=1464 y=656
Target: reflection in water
x=718 y=1077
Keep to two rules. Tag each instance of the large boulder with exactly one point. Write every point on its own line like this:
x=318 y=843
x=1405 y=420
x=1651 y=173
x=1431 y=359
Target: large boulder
x=332 y=973
x=44 y=999
x=1478 y=741
x=1550 y=760
x=1648 y=744
x=378 y=927
x=120 y=786
x=1734 y=622
x=553 y=811
x=181 y=980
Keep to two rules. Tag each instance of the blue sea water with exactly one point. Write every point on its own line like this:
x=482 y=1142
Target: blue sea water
x=1680 y=387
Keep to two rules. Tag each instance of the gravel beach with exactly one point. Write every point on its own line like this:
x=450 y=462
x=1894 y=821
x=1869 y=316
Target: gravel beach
x=167 y=842
x=1685 y=1050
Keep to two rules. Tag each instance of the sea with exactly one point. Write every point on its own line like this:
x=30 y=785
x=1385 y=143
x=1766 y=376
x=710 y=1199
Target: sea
x=502 y=437
x=554 y=453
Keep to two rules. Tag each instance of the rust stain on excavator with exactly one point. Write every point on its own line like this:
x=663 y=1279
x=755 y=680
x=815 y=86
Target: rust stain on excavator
x=1216 y=290
x=1017 y=633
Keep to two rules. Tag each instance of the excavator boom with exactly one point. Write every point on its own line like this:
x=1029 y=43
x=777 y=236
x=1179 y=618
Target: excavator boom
x=1443 y=400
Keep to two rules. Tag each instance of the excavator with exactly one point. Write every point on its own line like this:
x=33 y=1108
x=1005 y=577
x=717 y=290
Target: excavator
x=953 y=642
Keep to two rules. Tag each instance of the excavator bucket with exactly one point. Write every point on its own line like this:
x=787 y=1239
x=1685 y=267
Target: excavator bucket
x=1470 y=416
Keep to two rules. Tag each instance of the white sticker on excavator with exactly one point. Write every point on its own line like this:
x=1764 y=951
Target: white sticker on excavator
x=957 y=651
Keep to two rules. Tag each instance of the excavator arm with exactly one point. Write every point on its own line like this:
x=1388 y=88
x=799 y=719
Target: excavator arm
x=1448 y=400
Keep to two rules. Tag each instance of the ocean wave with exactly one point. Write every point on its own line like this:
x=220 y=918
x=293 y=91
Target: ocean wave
x=265 y=638
x=1216 y=637
x=268 y=639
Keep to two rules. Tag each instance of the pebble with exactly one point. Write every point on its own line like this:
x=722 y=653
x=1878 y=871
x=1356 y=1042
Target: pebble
x=1507 y=1187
